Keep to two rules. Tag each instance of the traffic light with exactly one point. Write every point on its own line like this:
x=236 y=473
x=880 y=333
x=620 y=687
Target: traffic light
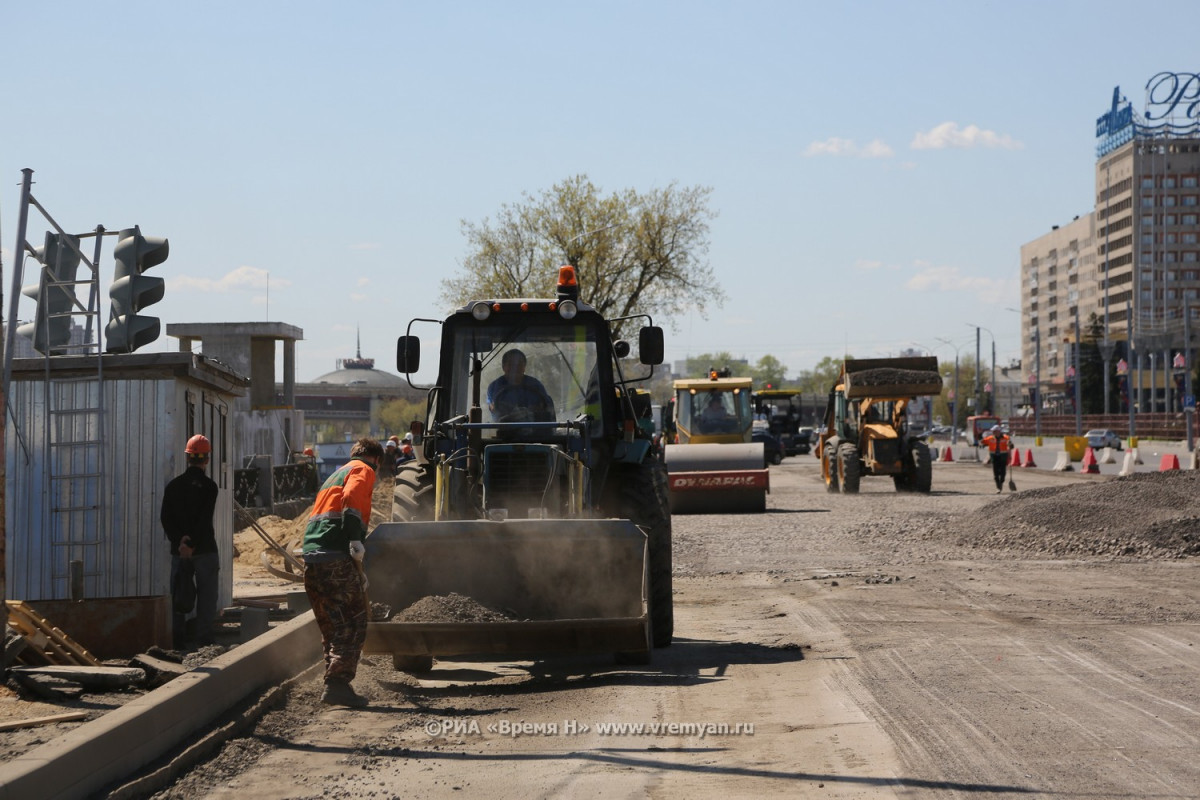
x=131 y=291
x=54 y=294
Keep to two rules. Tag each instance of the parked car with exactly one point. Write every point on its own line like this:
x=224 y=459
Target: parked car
x=772 y=447
x=1098 y=438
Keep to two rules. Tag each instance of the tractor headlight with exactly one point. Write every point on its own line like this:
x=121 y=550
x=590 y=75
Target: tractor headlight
x=481 y=311
x=567 y=309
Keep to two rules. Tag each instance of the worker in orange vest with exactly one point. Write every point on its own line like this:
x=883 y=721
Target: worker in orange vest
x=998 y=444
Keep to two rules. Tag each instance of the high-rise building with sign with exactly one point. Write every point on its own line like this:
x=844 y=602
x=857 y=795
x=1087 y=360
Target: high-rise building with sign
x=1134 y=262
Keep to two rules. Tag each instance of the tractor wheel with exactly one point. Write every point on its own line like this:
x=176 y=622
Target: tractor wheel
x=903 y=481
x=644 y=500
x=412 y=500
x=831 y=469
x=923 y=468
x=849 y=468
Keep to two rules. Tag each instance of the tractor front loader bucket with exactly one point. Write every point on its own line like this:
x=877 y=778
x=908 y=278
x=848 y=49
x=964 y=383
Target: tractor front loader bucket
x=564 y=585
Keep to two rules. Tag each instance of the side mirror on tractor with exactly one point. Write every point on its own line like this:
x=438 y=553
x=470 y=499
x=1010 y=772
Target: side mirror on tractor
x=408 y=354
x=650 y=345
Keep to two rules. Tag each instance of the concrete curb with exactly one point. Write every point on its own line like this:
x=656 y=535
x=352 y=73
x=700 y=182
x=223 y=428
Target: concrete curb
x=126 y=739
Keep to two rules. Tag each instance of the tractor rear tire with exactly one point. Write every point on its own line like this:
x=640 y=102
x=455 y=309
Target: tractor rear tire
x=831 y=469
x=849 y=468
x=644 y=500
x=413 y=497
x=923 y=468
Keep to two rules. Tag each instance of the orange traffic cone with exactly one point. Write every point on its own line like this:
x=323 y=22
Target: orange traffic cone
x=947 y=455
x=1029 y=458
x=1090 y=465
x=1015 y=459
x=1169 y=461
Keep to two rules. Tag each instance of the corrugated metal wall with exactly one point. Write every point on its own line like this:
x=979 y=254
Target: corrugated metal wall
x=121 y=544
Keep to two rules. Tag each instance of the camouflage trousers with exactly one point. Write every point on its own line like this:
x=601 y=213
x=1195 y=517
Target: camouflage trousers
x=339 y=602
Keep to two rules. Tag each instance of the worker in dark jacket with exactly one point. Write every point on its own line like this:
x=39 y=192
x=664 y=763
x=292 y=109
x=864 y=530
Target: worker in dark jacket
x=333 y=574
x=187 y=519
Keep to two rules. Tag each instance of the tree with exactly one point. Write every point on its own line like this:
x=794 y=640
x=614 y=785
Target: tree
x=634 y=253
x=397 y=415
x=819 y=380
x=769 y=371
x=698 y=366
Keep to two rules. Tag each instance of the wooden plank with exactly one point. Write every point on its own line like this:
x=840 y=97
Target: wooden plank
x=51 y=642
x=33 y=722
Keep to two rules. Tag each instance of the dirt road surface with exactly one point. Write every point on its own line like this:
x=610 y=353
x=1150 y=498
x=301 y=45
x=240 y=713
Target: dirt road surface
x=957 y=645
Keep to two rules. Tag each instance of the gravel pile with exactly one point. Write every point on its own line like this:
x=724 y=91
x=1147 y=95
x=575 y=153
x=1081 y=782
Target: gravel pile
x=889 y=376
x=1149 y=515
x=451 y=607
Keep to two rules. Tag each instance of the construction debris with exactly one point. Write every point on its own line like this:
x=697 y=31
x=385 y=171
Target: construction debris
x=44 y=643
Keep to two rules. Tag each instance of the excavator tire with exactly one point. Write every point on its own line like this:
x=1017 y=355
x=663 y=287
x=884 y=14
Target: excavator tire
x=831 y=468
x=849 y=468
x=923 y=468
x=644 y=501
x=413 y=497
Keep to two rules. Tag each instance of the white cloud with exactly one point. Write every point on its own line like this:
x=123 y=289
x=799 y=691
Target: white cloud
x=363 y=281
x=359 y=298
x=835 y=146
x=950 y=279
x=948 y=134
x=242 y=279
x=867 y=264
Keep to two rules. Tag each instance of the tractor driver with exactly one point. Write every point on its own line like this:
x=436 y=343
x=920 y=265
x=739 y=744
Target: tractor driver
x=715 y=418
x=517 y=397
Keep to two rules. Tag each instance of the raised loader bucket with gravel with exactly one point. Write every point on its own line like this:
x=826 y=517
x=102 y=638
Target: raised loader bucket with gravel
x=526 y=586
x=716 y=478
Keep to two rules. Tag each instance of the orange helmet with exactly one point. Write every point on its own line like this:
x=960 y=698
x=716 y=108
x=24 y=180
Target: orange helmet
x=198 y=445
x=308 y=451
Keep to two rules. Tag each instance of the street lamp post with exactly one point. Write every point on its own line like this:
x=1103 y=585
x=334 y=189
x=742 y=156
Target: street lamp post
x=1079 y=380
x=978 y=328
x=954 y=399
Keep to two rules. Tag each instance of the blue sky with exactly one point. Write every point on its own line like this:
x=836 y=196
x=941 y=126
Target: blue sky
x=876 y=166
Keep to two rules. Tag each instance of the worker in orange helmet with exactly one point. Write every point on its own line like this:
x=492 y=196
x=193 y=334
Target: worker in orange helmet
x=189 y=501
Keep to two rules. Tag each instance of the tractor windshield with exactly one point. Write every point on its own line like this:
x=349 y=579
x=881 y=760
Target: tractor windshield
x=528 y=373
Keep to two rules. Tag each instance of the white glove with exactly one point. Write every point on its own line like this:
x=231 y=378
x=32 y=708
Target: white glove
x=357 y=550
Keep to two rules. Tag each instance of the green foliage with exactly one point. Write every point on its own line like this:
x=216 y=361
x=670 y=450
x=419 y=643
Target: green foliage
x=698 y=366
x=820 y=379
x=397 y=415
x=769 y=371
x=634 y=253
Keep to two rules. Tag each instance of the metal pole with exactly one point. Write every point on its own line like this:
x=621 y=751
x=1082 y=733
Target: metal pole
x=1189 y=407
x=1106 y=350
x=994 y=387
x=978 y=367
x=6 y=335
x=1037 y=377
x=1129 y=370
x=954 y=413
x=1079 y=380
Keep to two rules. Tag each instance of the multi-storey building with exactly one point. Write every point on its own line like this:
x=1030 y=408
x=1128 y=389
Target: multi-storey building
x=1134 y=261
